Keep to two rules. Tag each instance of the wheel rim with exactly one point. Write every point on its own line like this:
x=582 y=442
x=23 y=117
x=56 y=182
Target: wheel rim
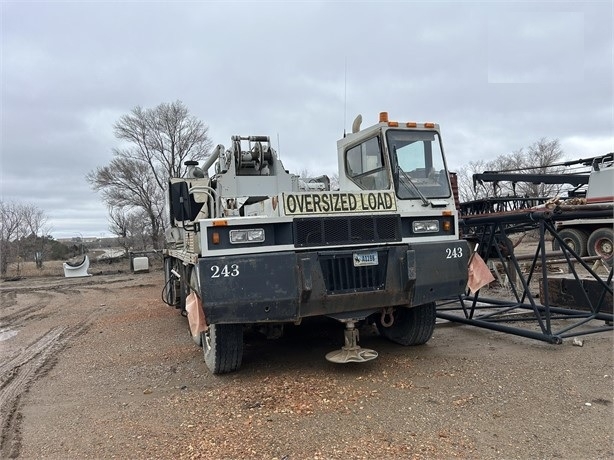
x=207 y=341
x=569 y=242
x=604 y=247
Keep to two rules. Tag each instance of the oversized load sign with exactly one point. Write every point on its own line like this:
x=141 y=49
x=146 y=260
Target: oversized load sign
x=330 y=203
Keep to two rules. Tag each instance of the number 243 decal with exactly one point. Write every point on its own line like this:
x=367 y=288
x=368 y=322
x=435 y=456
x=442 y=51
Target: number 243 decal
x=454 y=253
x=224 y=271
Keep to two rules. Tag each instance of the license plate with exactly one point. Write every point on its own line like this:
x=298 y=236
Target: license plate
x=364 y=259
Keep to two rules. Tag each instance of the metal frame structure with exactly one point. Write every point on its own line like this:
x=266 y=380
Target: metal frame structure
x=528 y=314
x=500 y=204
x=511 y=203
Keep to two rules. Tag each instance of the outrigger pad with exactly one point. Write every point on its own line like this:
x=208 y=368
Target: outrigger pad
x=351 y=352
x=357 y=355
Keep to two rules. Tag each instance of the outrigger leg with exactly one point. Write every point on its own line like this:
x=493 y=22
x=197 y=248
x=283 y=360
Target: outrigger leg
x=351 y=352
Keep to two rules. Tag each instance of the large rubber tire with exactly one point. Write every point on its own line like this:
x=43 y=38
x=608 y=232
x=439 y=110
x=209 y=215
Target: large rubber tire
x=600 y=243
x=575 y=239
x=223 y=347
x=411 y=326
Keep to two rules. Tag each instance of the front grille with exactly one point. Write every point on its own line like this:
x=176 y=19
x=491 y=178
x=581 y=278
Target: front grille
x=327 y=231
x=341 y=276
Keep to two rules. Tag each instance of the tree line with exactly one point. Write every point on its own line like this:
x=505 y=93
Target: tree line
x=543 y=156
x=24 y=236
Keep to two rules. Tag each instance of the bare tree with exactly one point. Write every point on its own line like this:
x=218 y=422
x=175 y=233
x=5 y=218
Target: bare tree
x=17 y=221
x=540 y=157
x=163 y=138
x=466 y=189
x=9 y=228
x=126 y=184
x=514 y=161
x=159 y=140
x=36 y=222
x=118 y=225
x=131 y=228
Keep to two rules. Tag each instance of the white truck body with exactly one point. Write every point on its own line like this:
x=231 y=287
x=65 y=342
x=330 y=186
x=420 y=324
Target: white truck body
x=259 y=246
x=593 y=236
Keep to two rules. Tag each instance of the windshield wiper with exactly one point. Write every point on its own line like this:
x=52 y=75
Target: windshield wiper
x=425 y=201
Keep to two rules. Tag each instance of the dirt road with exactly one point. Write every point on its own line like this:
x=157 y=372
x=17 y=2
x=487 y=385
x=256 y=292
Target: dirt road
x=100 y=368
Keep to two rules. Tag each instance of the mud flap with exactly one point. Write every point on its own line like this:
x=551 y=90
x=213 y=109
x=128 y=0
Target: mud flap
x=196 y=316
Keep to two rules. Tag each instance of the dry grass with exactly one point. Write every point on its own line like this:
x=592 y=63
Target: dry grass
x=29 y=269
x=55 y=268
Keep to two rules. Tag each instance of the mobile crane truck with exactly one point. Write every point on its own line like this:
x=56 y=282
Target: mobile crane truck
x=255 y=246
x=593 y=236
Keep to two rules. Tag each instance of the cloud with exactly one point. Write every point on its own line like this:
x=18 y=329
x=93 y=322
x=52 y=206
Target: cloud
x=536 y=47
x=497 y=76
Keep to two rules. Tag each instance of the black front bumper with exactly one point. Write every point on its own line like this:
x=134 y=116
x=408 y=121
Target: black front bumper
x=287 y=286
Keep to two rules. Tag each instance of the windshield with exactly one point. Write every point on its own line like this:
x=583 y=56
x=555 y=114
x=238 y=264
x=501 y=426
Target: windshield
x=418 y=163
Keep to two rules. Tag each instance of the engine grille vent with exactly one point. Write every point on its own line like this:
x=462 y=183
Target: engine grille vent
x=341 y=276
x=328 y=231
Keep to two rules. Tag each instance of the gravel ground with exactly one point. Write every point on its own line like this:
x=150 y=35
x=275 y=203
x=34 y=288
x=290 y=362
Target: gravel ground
x=100 y=368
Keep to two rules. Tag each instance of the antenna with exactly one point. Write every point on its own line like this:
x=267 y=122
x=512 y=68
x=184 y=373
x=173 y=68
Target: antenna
x=345 y=93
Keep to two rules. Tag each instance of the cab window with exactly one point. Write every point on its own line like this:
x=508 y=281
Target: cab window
x=364 y=165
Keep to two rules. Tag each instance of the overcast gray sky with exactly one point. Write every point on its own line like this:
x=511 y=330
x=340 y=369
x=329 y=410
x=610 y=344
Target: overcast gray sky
x=496 y=75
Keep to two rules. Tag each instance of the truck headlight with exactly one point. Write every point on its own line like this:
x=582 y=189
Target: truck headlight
x=250 y=235
x=426 y=226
